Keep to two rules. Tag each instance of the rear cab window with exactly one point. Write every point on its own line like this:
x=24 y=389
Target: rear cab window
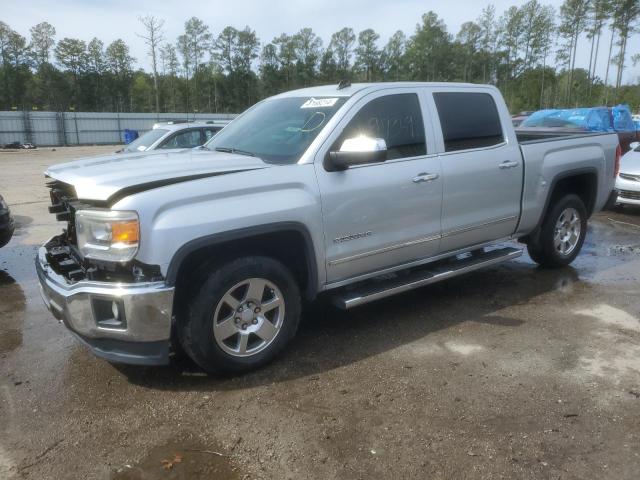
x=468 y=120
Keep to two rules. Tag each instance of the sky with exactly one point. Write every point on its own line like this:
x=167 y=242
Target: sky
x=112 y=19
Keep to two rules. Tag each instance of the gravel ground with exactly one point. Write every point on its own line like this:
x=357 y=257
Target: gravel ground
x=511 y=372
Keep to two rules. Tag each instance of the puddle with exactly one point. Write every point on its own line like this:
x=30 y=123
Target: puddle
x=187 y=460
x=12 y=306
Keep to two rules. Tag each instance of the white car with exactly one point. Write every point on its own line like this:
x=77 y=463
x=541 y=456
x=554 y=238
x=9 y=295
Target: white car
x=628 y=181
x=175 y=135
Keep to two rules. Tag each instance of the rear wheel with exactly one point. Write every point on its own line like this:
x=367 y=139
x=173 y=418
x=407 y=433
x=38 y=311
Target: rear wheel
x=561 y=235
x=246 y=311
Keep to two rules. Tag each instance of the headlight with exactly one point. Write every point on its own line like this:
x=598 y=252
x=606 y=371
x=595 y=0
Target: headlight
x=107 y=235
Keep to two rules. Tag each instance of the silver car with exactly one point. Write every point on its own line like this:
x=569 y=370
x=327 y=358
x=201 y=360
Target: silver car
x=175 y=135
x=628 y=180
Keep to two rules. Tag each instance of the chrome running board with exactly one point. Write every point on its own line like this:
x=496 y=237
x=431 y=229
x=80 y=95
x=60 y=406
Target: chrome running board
x=385 y=286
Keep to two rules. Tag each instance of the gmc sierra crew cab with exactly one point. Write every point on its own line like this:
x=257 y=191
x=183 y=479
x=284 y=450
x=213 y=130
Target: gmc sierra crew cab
x=354 y=191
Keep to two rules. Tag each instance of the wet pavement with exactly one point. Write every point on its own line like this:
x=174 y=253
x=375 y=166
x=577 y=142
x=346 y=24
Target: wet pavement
x=510 y=372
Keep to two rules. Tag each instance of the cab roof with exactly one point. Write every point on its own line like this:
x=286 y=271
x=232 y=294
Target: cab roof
x=348 y=91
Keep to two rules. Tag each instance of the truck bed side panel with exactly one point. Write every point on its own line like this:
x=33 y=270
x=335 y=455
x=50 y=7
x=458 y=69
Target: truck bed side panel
x=549 y=160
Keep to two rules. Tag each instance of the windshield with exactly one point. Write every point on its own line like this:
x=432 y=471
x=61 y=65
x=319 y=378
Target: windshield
x=140 y=144
x=278 y=130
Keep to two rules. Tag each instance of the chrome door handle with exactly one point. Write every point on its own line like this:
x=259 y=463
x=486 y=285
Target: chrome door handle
x=425 y=177
x=508 y=164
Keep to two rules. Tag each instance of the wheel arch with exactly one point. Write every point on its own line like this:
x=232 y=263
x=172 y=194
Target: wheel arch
x=582 y=181
x=289 y=242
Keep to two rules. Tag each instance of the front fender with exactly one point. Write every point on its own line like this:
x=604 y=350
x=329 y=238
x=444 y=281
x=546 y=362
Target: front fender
x=246 y=233
x=175 y=218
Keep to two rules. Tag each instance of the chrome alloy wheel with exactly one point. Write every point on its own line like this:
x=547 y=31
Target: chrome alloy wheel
x=248 y=317
x=567 y=231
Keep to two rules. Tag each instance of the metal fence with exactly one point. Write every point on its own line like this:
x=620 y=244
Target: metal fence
x=84 y=128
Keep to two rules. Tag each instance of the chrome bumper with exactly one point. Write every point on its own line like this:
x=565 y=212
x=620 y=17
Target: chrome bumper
x=144 y=337
x=624 y=200
x=628 y=191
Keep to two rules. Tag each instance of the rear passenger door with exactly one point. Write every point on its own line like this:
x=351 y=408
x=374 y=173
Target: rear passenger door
x=482 y=169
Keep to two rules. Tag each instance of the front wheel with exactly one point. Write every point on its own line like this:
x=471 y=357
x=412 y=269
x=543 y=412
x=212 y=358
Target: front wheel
x=561 y=235
x=246 y=311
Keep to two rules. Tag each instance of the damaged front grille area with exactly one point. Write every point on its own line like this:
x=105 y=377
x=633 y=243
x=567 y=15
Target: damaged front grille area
x=63 y=259
x=64 y=203
x=62 y=252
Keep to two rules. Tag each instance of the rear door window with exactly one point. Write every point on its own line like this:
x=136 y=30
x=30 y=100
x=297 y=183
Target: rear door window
x=468 y=120
x=397 y=119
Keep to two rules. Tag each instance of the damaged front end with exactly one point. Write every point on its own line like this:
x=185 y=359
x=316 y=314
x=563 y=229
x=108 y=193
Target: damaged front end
x=122 y=311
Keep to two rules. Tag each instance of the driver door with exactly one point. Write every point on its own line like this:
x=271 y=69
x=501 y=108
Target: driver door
x=382 y=214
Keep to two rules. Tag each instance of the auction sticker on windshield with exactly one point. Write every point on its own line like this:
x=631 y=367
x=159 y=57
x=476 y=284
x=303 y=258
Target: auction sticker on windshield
x=319 y=102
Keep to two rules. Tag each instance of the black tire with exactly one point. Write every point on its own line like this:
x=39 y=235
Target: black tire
x=541 y=247
x=196 y=329
x=5 y=235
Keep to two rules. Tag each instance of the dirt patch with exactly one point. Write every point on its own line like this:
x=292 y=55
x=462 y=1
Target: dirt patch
x=181 y=459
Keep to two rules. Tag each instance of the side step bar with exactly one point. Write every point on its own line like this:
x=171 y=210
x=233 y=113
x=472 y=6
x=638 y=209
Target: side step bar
x=388 y=285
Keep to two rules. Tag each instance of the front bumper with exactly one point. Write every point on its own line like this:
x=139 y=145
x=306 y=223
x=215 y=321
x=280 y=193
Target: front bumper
x=143 y=336
x=628 y=191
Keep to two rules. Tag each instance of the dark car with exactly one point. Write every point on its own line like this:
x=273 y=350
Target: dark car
x=6 y=223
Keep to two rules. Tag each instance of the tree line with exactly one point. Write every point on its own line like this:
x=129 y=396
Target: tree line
x=528 y=51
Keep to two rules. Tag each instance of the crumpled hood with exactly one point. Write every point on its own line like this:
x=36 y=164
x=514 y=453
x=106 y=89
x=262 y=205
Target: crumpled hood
x=100 y=178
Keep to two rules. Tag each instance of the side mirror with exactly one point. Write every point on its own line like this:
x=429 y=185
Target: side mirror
x=634 y=145
x=358 y=151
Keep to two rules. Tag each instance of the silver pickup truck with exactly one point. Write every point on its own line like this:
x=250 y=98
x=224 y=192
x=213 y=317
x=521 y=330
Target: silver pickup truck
x=353 y=191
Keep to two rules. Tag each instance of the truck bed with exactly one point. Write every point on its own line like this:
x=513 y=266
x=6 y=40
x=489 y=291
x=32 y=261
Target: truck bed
x=532 y=135
x=548 y=155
